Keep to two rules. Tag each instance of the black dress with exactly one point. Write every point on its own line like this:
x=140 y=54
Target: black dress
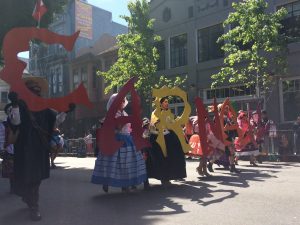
x=171 y=167
x=31 y=157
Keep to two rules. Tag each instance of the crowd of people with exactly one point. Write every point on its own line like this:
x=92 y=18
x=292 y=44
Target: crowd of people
x=243 y=136
x=30 y=138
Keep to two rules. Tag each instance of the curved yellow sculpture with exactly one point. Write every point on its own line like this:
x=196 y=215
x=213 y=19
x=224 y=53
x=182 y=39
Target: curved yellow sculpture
x=165 y=119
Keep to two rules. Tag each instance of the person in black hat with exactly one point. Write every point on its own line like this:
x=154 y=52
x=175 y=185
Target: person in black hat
x=32 y=146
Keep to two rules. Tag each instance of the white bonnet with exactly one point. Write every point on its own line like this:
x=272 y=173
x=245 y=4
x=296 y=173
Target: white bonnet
x=111 y=100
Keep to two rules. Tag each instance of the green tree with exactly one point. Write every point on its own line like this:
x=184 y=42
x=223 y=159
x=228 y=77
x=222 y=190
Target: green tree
x=254 y=48
x=137 y=55
x=16 y=13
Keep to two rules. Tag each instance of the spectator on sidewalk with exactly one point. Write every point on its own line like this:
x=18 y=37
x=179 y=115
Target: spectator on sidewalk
x=296 y=129
x=88 y=140
x=284 y=147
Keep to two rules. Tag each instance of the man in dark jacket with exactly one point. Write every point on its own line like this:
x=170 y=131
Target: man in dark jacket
x=32 y=146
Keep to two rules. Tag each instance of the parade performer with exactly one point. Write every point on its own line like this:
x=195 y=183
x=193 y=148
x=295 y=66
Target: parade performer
x=245 y=144
x=172 y=165
x=126 y=167
x=32 y=147
x=229 y=127
x=214 y=146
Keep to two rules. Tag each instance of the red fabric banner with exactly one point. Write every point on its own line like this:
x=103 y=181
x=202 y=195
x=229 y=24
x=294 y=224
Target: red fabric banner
x=106 y=134
x=17 y=40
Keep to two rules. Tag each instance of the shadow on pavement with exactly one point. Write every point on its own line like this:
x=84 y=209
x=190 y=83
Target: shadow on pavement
x=68 y=198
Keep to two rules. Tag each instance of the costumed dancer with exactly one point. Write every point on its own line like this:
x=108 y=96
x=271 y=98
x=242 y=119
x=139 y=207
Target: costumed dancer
x=172 y=166
x=126 y=167
x=225 y=157
x=261 y=126
x=214 y=145
x=245 y=144
x=32 y=147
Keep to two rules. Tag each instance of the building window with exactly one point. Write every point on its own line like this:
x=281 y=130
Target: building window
x=108 y=64
x=291 y=99
x=4 y=98
x=178 y=50
x=176 y=105
x=54 y=83
x=94 y=77
x=237 y=91
x=60 y=83
x=166 y=14
x=291 y=24
x=84 y=75
x=208 y=48
x=75 y=78
x=161 y=49
x=50 y=80
x=191 y=11
x=225 y=3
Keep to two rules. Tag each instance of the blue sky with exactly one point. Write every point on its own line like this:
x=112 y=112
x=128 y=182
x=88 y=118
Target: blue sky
x=117 y=7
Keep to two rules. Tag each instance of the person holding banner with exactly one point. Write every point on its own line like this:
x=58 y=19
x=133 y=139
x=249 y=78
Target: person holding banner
x=245 y=144
x=197 y=150
x=32 y=146
x=171 y=166
x=126 y=167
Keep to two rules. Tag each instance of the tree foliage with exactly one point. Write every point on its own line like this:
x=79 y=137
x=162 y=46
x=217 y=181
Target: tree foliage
x=254 y=48
x=137 y=55
x=16 y=13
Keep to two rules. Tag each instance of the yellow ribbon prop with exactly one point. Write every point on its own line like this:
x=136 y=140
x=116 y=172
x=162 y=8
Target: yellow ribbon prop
x=166 y=117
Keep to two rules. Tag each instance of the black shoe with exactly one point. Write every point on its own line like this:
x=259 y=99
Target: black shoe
x=133 y=187
x=253 y=164
x=146 y=185
x=35 y=214
x=226 y=167
x=233 y=169
x=210 y=168
x=166 y=183
x=26 y=202
x=207 y=174
x=105 y=188
x=125 y=189
x=53 y=166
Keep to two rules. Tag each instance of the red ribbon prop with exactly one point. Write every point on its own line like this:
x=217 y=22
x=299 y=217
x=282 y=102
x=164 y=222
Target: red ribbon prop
x=202 y=113
x=17 y=40
x=106 y=141
x=203 y=119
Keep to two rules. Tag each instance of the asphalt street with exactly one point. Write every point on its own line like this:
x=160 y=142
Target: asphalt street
x=266 y=195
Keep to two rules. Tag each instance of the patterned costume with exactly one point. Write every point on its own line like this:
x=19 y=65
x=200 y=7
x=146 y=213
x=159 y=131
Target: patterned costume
x=126 y=167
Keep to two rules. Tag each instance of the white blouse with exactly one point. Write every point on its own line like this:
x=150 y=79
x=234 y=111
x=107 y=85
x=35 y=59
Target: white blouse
x=126 y=129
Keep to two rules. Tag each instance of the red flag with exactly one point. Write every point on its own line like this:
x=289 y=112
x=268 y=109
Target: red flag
x=39 y=10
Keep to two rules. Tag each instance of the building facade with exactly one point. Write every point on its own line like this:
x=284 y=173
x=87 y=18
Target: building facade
x=53 y=61
x=84 y=68
x=189 y=30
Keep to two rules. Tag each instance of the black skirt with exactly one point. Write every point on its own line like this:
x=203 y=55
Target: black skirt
x=171 y=167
